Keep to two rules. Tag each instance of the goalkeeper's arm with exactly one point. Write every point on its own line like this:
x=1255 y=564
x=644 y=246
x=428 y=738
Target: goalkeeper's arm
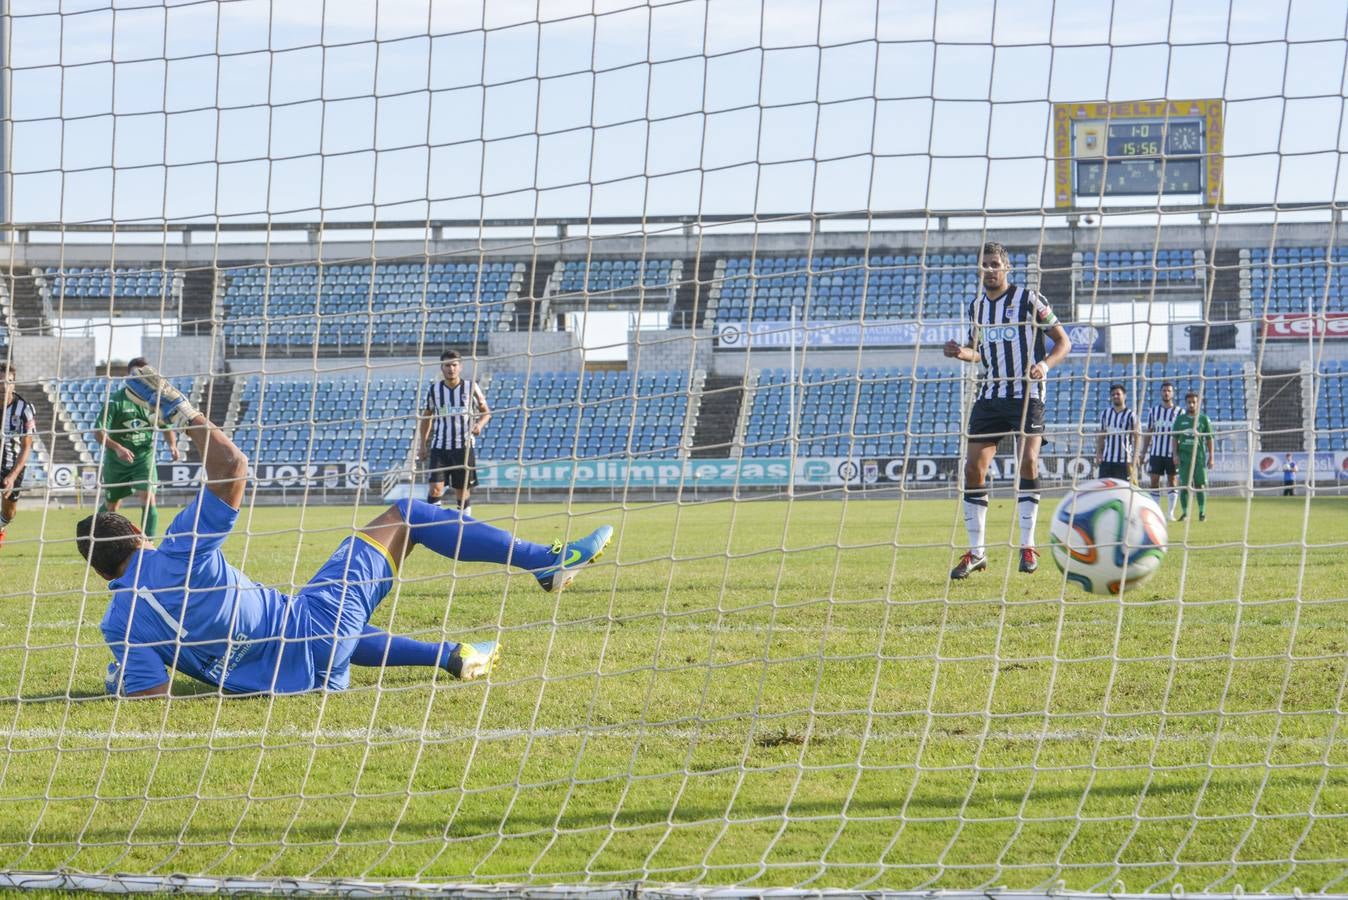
x=225 y=464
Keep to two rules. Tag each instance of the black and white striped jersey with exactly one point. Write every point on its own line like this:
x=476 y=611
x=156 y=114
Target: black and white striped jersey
x=1009 y=335
x=17 y=421
x=452 y=414
x=1117 y=426
x=1161 y=425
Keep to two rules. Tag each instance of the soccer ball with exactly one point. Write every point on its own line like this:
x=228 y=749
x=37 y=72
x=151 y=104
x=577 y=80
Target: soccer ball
x=1107 y=537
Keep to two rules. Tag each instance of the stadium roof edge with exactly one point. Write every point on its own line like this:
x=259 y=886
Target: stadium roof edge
x=674 y=245
x=683 y=219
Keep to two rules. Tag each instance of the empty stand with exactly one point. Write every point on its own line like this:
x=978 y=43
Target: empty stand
x=879 y=412
x=892 y=412
x=1129 y=268
x=344 y=419
x=882 y=287
x=395 y=305
x=1296 y=279
x=95 y=281
x=1331 y=407
x=601 y=414
x=1078 y=392
x=617 y=276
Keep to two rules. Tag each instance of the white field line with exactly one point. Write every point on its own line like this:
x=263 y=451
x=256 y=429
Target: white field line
x=381 y=734
x=675 y=625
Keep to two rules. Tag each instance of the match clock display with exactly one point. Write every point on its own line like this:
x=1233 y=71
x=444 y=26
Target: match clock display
x=1154 y=149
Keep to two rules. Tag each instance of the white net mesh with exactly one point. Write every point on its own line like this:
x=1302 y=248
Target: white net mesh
x=701 y=258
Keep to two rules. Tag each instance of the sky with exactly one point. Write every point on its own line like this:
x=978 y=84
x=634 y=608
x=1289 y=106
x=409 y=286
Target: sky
x=306 y=110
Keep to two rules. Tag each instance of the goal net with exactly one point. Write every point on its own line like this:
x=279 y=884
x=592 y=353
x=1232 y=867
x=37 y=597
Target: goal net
x=701 y=261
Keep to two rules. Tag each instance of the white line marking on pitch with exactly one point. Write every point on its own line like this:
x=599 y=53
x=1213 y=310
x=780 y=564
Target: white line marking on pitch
x=683 y=733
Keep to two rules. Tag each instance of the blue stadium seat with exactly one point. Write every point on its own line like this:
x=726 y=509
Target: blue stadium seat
x=1331 y=406
x=608 y=414
x=882 y=287
x=1298 y=280
x=839 y=412
x=346 y=306
x=339 y=419
x=98 y=282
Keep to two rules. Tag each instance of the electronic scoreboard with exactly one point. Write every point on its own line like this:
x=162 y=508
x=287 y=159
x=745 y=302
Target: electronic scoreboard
x=1137 y=149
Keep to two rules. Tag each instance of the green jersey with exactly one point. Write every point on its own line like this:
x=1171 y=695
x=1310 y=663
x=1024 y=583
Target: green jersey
x=1192 y=432
x=125 y=423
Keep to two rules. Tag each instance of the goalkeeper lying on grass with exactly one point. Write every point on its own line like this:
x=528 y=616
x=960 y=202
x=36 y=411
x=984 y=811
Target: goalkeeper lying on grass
x=182 y=607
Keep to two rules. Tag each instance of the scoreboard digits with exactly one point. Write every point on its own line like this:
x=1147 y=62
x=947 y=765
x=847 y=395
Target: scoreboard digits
x=1137 y=149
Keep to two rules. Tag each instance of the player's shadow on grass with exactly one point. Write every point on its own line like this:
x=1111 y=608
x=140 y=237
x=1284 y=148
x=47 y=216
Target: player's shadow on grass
x=522 y=821
x=182 y=690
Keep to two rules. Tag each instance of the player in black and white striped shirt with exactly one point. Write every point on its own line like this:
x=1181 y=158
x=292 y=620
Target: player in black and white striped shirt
x=1161 y=447
x=17 y=427
x=453 y=413
x=1008 y=325
x=1120 y=437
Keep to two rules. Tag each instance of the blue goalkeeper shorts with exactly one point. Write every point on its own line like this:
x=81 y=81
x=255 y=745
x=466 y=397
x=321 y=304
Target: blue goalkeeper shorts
x=338 y=602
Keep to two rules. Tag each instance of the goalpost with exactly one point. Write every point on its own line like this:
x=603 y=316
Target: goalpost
x=769 y=685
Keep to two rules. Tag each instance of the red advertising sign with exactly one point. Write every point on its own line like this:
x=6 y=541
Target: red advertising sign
x=1300 y=326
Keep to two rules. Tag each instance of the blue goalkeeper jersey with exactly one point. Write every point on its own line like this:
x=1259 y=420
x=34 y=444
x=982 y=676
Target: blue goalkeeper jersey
x=183 y=607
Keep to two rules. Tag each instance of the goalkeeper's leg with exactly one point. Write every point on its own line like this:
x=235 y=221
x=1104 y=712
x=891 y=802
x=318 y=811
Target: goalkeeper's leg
x=453 y=535
x=379 y=649
x=444 y=531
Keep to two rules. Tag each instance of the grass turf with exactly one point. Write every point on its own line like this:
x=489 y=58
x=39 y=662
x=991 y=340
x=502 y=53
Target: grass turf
x=760 y=693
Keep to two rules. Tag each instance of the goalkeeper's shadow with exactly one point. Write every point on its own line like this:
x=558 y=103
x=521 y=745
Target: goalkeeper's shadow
x=547 y=816
x=182 y=690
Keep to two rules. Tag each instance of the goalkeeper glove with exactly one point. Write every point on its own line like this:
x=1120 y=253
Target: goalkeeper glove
x=155 y=394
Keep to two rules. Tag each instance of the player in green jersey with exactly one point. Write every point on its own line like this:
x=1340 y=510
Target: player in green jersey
x=1193 y=454
x=127 y=436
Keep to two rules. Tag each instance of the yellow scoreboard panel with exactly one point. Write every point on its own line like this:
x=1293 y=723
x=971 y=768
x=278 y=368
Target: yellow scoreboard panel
x=1145 y=148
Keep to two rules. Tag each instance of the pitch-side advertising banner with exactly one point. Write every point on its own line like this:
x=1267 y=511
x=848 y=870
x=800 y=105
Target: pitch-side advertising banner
x=1300 y=326
x=285 y=475
x=1268 y=466
x=743 y=335
x=1262 y=468
x=758 y=472
x=639 y=473
x=1054 y=469
x=332 y=475
x=1087 y=340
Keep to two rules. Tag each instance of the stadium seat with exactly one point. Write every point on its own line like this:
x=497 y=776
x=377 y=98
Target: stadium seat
x=347 y=306
x=1297 y=280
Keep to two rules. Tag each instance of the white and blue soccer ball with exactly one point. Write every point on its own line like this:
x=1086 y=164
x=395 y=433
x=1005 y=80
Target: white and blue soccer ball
x=1108 y=537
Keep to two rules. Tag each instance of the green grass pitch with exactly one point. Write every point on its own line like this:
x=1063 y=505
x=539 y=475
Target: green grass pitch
x=762 y=693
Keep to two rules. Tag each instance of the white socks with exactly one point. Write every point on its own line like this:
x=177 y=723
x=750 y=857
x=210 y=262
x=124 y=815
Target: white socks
x=976 y=520
x=1027 y=504
x=1172 y=498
